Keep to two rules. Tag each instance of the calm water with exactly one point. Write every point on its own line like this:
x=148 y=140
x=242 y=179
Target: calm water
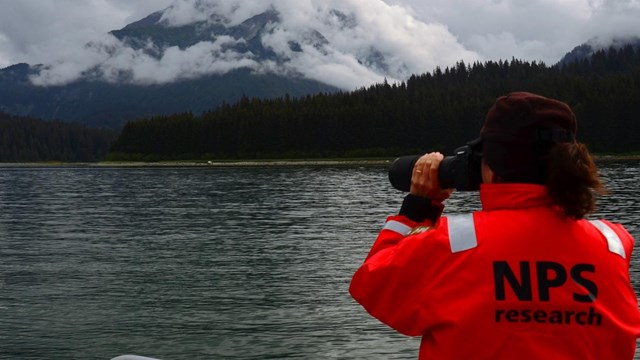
x=238 y=263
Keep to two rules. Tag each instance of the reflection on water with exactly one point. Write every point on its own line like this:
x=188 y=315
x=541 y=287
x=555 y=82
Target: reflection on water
x=238 y=263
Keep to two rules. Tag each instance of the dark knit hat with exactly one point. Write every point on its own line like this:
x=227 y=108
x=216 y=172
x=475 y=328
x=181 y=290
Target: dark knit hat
x=519 y=130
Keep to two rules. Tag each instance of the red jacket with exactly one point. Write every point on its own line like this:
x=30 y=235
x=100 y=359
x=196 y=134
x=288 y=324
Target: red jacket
x=517 y=280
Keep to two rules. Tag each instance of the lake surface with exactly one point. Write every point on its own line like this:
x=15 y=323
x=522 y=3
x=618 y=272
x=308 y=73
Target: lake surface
x=206 y=263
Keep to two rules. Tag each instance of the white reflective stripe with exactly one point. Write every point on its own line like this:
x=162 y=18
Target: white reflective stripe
x=462 y=232
x=398 y=227
x=615 y=244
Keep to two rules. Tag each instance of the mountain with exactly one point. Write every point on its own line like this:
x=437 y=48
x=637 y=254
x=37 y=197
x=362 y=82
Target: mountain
x=586 y=50
x=111 y=105
x=198 y=54
x=195 y=55
x=104 y=97
x=153 y=29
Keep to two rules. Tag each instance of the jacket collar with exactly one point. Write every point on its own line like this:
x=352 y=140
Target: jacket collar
x=513 y=196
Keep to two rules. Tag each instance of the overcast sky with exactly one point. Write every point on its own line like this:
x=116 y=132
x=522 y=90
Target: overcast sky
x=424 y=33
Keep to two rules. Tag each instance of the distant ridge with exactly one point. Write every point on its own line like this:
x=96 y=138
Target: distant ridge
x=586 y=50
x=102 y=104
x=202 y=63
x=93 y=101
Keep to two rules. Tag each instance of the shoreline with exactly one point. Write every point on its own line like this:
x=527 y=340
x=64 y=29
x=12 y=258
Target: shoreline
x=247 y=163
x=616 y=157
x=204 y=164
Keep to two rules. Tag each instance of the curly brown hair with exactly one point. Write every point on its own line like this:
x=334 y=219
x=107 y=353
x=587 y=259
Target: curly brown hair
x=572 y=179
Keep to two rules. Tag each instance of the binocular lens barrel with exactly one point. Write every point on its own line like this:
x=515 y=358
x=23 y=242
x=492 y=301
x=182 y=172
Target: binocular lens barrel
x=401 y=170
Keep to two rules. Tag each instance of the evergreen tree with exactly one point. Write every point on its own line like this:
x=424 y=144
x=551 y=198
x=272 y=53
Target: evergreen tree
x=433 y=111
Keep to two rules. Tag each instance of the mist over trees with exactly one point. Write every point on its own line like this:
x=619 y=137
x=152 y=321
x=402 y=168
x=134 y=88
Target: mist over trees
x=434 y=111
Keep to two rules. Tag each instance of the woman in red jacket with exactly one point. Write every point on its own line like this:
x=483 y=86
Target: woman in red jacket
x=526 y=277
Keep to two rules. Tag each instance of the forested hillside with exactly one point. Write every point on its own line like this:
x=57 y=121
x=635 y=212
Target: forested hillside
x=433 y=111
x=28 y=140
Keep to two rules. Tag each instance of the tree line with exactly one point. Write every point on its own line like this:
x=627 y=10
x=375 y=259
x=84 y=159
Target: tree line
x=23 y=139
x=434 y=111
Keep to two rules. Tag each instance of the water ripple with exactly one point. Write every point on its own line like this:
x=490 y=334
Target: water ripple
x=245 y=263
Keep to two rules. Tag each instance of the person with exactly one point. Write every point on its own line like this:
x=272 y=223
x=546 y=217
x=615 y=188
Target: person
x=525 y=277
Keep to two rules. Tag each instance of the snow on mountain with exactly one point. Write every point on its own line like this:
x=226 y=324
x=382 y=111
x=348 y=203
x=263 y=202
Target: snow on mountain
x=343 y=43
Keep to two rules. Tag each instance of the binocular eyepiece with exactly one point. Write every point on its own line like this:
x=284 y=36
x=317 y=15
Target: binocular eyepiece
x=460 y=171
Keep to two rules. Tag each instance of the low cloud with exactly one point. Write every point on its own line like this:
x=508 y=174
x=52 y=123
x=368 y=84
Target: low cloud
x=40 y=31
x=530 y=30
x=366 y=40
x=110 y=60
x=362 y=42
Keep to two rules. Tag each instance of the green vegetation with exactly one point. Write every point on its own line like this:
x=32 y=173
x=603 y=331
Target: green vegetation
x=434 y=111
x=24 y=139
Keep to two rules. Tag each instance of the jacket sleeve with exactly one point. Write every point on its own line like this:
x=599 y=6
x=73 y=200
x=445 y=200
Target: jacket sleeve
x=385 y=285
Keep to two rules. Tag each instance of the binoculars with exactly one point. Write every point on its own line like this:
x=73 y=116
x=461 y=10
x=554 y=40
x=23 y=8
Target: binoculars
x=460 y=171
